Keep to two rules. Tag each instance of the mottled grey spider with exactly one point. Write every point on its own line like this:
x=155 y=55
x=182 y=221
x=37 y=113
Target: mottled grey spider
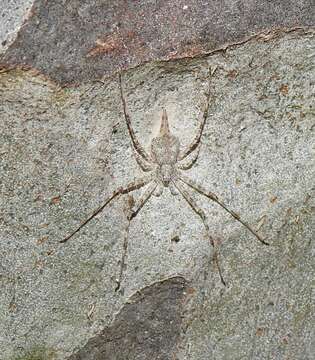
x=165 y=164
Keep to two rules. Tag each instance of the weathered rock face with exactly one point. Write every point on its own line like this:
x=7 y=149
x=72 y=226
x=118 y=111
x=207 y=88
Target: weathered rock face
x=148 y=326
x=82 y=40
x=63 y=151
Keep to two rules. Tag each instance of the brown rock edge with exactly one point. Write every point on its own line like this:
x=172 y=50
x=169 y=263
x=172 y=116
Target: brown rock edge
x=79 y=41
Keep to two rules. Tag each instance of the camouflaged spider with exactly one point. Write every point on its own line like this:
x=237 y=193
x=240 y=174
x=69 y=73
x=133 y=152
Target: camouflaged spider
x=165 y=164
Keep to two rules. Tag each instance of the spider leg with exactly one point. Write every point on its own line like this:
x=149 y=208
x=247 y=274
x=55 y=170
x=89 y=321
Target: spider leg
x=189 y=161
x=193 y=145
x=159 y=190
x=137 y=184
x=138 y=147
x=202 y=215
x=173 y=189
x=133 y=211
x=214 y=198
x=144 y=165
x=145 y=196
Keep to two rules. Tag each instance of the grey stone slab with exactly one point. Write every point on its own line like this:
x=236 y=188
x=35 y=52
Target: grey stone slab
x=77 y=41
x=64 y=150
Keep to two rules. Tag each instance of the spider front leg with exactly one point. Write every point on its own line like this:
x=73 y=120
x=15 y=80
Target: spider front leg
x=133 y=211
x=137 y=184
x=214 y=198
x=138 y=147
x=196 y=141
x=144 y=165
x=202 y=216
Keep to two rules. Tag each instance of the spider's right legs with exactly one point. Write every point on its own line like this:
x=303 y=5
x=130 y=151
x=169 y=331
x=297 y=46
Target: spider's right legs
x=133 y=211
x=138 y=147
x=137 y=184
x=214 y=198
x=202 y=215
x=196 y=141
x=189 y=161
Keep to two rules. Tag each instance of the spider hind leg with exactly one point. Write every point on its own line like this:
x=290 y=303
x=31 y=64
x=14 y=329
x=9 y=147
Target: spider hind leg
x=214 y=198
x=202 y=216
x=133 y=210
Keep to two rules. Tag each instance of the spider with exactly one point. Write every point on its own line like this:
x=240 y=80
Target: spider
x=165 y=164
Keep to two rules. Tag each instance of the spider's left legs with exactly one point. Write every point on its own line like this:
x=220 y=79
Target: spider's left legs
x=144 y=165
x=202 y=215
x=138 y=147
x=214 y=198
x=145 y=196
x=132 y=213
x=134 y=185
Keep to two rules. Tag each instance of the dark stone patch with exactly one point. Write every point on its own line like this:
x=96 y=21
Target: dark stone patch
x=147 y=327
x=80 y=40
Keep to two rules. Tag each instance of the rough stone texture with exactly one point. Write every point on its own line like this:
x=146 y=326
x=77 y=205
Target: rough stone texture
x=75 y=40
x=63 y=150
x=13 y=13
x=148 y=326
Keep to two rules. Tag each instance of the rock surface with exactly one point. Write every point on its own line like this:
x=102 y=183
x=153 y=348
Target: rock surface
x=81 y=40
x=13 y=14
x=63 y=150
x=148 y=326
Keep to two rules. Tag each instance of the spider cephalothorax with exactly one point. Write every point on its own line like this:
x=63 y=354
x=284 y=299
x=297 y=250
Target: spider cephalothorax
x=165 y=165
